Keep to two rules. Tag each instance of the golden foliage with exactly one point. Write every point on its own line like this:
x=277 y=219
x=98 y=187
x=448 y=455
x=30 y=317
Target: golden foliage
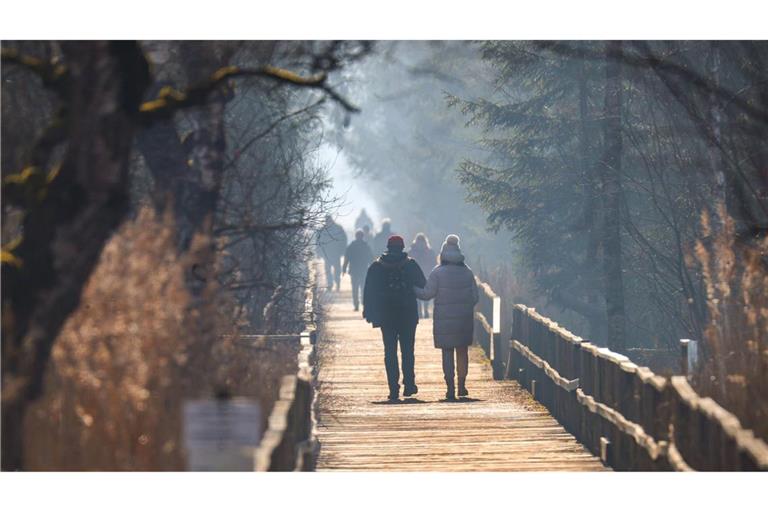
x=118 y=360
x=137 y=346
x=735 y=372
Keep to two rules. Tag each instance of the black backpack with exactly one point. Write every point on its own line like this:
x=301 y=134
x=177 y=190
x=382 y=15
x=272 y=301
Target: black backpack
x=396 y=285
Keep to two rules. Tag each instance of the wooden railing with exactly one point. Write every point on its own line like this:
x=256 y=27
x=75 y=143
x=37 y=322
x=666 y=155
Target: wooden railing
x=290 y=441
x=487 y=330
x=629 y=416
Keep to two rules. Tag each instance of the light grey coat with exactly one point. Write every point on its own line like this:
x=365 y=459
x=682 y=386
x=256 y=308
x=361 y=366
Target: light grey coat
x=455 y=292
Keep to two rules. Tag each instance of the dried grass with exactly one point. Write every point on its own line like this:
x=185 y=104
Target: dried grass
x=137 y=346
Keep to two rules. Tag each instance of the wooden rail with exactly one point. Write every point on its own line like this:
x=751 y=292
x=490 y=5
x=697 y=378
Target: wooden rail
x=290 y=441
x=487 y=330
x=629 y=416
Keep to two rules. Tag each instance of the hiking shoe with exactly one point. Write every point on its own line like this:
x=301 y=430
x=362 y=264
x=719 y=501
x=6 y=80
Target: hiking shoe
x=463 y=391
x=410 y=390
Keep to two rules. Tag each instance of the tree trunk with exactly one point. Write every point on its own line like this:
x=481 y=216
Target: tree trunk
x=592 y=214
x=610 y=178
x=189 y=174
x=714 y=144
x=64 y=234
x=176 y=184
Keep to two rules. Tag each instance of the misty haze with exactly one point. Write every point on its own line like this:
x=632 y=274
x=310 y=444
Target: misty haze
x=384 y=255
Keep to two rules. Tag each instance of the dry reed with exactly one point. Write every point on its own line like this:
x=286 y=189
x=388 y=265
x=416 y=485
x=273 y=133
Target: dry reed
x=734 y=369
x=137 y=346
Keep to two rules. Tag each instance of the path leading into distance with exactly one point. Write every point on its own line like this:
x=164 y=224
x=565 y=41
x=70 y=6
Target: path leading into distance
x=499 y=428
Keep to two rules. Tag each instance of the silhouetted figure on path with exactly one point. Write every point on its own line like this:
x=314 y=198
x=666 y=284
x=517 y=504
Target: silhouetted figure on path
x=356 y=261
x=426 y=258
x=380 y=240
x=331 y=244
x=452 y=285
x=363 y=220
x=367 y=234
x=389 y=302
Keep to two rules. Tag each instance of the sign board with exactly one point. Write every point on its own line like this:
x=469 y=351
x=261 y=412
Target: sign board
x=691 y=352
x=221 y=435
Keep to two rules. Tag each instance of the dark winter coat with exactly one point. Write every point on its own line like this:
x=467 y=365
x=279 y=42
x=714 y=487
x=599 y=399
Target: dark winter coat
x=357 y=258
x=378 y=307
x=331 y=241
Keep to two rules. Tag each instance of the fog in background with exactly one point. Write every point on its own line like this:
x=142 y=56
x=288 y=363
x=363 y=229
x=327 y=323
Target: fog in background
x=398 y=157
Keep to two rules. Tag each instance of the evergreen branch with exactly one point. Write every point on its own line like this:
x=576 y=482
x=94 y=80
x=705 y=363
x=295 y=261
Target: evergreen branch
x=648 y=60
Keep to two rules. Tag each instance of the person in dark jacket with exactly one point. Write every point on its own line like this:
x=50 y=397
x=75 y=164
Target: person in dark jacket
x=380 y=240
x=331 y=243
x=389 y=302
x=427 y=259
x=356 y=261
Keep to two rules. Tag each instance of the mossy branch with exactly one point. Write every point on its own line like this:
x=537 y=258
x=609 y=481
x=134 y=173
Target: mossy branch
x=169 y=100
x=53 y=75
x=7 y=257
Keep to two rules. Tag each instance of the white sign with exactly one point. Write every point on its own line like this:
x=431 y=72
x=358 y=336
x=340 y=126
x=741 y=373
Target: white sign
x=221 y=435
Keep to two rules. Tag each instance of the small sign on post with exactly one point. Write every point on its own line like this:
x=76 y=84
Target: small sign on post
x=689 y=356
x=221 y=435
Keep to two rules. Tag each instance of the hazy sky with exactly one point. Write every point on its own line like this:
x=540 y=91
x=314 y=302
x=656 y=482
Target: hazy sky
x=350 y=189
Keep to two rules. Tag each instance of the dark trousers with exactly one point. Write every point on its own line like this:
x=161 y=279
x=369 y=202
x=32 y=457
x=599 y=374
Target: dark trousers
x=335 y=276
x=357 y=288
x=462 y=361
x=406 y=334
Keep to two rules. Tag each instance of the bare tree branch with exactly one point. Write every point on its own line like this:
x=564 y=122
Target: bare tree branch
x=258 y=228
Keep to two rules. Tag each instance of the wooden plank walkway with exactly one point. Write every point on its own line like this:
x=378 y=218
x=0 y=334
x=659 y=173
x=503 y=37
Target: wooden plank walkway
x=499 y=428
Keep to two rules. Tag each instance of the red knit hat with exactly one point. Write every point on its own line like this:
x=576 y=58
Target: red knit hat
x=396 y=241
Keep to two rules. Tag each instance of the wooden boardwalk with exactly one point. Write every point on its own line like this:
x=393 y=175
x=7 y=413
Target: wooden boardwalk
x=499 y=428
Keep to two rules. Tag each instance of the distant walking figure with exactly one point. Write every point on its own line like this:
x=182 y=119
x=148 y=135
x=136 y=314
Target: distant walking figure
x=356 y=261
x=452 y=285
x=331 y=244
x=367 y=234
x=380 y=240
x=425 y=257
x=389 y=302
x=363 y=220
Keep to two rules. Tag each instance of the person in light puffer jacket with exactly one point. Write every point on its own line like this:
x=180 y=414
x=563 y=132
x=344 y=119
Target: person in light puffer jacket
x=452 y=285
